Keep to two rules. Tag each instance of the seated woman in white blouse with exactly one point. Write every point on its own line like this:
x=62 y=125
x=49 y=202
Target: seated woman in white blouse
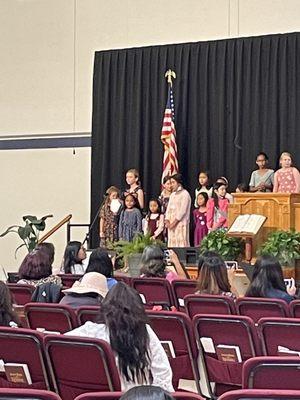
x=140 y=357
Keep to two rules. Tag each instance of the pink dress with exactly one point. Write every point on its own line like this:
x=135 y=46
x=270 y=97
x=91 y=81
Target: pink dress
x=217 y=217
x=200 y=226
x=286 y=181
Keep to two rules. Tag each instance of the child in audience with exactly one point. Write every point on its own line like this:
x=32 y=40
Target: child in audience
x=74 y=256
x=133 y=180
x=154 y=220
x=203 y=186
x=217 y=208
x=7 y=315
x=166 y=193
x=287 y=178
x=199 y=214
x=130 y=222
x=108 y=228
x=140 y=357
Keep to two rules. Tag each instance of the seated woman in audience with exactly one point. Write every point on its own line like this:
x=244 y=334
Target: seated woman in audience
x=215 y=278
x=154 y=264
x=90 y=291
x=140 y=357
x=49 y=249
x=146 y=392
x=101 y=262
x=36 y=269
x=7 y=315
x=267 y=280
x=203 y=256
x=74 y=256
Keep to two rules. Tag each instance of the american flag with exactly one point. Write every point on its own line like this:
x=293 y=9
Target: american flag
x=168 y=138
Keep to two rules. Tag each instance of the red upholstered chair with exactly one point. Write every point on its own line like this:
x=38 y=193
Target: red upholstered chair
x=176 y=328
x=294 y=307
x=21 y=294
x=117 y=395
x=24 y=346
x=154 y=291
x=261 y=394
x=122 y=278
x=78 y=365
x=181 y=288
x=32 y=394
x=52 y=317
x=69 y=279
x=276 y=332
x=232 y=330
x=272 y=373
x=256 y=307
x=87 y=313
x=208 y=304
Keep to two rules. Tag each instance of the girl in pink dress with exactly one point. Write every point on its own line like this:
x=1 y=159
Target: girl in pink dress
x=217 y=208
x=200 y=218
x=287 y=178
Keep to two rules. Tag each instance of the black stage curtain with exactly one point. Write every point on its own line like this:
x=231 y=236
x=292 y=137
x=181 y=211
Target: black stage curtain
x=233 y=98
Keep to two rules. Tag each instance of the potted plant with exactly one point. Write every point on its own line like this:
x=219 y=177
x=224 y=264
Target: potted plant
x=230 y=248
x=29 y=233
x=130 y=253
x=285 y=246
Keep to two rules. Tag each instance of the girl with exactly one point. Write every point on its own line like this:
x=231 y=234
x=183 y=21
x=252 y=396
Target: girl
x=200 y=218
x=130 y=222
x=7 y=315
x=154 y=221
x=217 y=208
x=166 y=193
x=108 y=230
x=140 y=357
x=287 y=178
x=74 y=256
x=203 y=186
x=133 y=180
x=263 y=178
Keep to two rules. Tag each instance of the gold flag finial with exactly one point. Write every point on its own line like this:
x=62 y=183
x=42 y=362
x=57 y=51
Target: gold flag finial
x=169 y=75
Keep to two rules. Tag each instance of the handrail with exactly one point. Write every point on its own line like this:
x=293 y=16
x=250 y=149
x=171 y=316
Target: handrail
x=55 y=228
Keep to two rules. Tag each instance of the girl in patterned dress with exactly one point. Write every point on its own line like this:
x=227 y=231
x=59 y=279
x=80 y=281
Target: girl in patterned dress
x=108 y=229
x=130 y=222
x=154 y=221
x=199 y=214
x=287 y=178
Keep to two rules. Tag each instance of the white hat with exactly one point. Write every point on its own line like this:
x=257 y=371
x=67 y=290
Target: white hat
x=91 y=282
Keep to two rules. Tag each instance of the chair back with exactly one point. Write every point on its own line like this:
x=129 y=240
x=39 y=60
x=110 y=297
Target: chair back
x=181 y=288
x=294 y=308
x=32 y=394
x=274 y=332
x=174 y=330
x=256 y=307
x=51 y=317
x=123 y=278
x=68 y=279
x=208 y=304
x=261 y=394
x=24 y=346
x=21 y=294
x=117 y=395
x=87 y=313
x=272 y=373
x=225 y=342
x=78 y=365
x=154 y=291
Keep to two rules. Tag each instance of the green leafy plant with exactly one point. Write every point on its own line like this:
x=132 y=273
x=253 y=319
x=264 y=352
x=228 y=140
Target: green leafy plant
x=284 y=245
x=230 y=248
x=29 y=233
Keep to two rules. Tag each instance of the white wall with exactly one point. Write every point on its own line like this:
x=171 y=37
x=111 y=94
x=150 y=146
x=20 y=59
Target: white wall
x=47 y=50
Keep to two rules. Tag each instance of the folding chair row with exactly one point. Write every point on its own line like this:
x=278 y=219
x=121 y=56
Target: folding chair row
x=261 y=394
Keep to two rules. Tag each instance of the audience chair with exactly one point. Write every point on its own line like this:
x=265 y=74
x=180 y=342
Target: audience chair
x=229 y=330
x=276 y=332
x=123 y=278
x=78 y=365
x=155 y=291
x=208 y=304
x=117 y=395
x=261 y=394
x=68 y=279
x=21 y=294
x=256 y=307
x=24 y=346
x=181 y=288
x=272 y=373
x=176 y=328
x=87 y=313
x=51 y=317
x=31 y=394
x=294 y=308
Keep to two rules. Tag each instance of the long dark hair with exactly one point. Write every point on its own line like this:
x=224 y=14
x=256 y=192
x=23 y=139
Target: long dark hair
x=70 y=256
x=100 y=262
x=216 y=186
x=213 y=278
x=146 y=392
x=124 y=315
x=7 y=313
x=153 y=262
x=36 y=265
x=267 y=274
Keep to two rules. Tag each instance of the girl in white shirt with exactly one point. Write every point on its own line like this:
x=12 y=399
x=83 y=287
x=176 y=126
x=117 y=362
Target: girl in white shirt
x=140 y=357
